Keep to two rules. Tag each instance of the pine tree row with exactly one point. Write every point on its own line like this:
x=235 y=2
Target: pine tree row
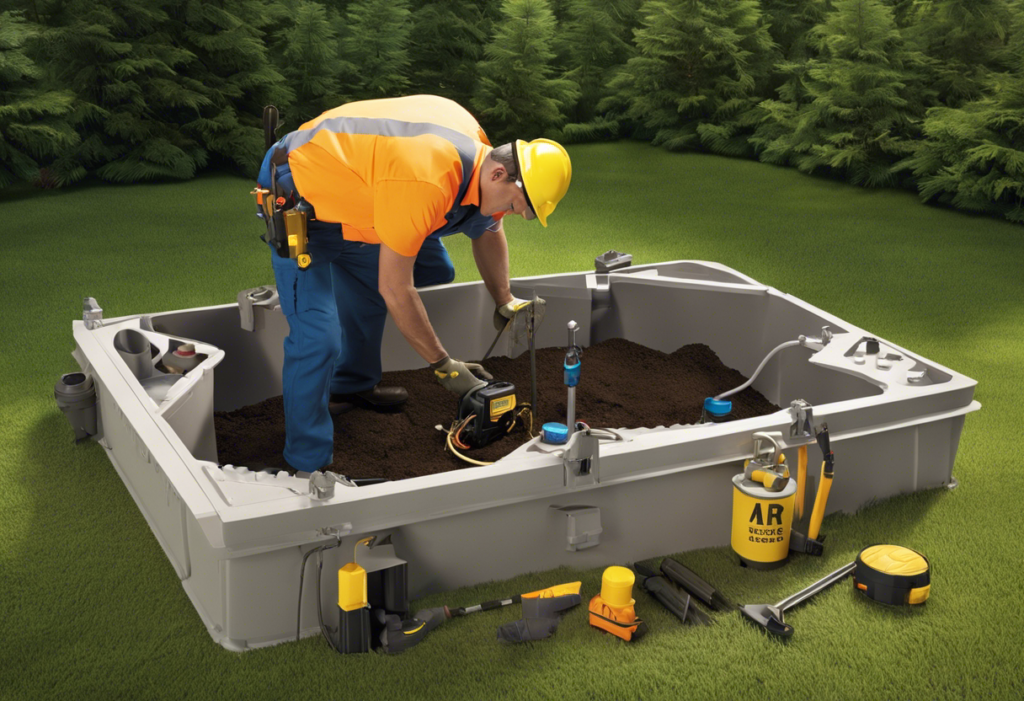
x=925 y=93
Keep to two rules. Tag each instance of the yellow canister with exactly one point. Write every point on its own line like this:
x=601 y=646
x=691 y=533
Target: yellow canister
x=761 y=522
x=617 y=586
x=352 y=589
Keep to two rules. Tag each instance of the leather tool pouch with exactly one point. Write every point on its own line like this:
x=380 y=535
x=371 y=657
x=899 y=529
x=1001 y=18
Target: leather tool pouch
x=274 y=206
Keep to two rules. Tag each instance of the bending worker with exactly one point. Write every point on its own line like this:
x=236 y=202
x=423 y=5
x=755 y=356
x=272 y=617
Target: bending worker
x=387 y=179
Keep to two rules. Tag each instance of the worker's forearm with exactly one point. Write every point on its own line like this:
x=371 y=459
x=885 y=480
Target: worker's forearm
x=491 y=254
x=410 y=317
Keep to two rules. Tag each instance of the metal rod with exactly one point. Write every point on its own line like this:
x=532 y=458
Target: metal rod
x=533 y=357
x=823 y=583
x=570 y=414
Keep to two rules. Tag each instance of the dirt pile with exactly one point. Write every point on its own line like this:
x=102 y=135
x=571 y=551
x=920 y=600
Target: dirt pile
x=623 y=385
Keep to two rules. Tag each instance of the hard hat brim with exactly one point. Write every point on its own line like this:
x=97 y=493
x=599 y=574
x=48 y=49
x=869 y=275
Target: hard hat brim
x=519 y=147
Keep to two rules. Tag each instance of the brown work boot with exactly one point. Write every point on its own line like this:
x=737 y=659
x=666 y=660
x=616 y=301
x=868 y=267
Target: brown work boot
x=379 y=399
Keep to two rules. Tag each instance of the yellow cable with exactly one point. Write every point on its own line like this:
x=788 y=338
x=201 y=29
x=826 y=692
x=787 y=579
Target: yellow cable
x=463 y=457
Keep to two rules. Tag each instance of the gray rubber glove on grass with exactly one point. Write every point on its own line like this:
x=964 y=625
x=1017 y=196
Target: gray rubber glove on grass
x=457 y=376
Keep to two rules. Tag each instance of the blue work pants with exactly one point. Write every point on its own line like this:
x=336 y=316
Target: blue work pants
x=336 y=321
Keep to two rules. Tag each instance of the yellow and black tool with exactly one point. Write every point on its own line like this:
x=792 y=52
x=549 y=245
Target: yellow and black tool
x=812 y=543
x=353 y=605
x=613 y=609
x=560 y=590
x=285 y=213
x=762 y=506
x=892 y=574
x=541 y=612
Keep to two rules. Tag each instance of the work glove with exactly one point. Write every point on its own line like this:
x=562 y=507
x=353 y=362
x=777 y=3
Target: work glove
x=508 y=311
x=457 y=376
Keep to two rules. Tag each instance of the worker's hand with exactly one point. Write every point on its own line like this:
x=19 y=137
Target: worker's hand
x=457 y=376
x=508 y=310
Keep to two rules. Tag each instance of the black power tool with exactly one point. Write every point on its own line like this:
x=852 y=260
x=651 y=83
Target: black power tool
x=491 y=408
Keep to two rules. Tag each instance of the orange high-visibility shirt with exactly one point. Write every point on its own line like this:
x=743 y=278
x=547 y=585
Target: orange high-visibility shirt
x=392 y=171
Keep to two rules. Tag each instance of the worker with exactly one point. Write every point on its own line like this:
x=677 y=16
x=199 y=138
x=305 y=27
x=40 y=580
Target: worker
x=387 y=179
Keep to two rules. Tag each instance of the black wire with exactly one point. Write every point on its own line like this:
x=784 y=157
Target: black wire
x=319 y=599
x=302 y=577
x=319 y=605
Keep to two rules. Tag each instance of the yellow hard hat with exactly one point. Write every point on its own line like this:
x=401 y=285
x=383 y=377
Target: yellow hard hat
x=545 y=171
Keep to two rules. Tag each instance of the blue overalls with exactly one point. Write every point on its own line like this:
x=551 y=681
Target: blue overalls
x=336 y=319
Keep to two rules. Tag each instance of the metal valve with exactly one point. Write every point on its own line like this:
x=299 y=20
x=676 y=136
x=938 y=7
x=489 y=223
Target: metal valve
x=321 y=484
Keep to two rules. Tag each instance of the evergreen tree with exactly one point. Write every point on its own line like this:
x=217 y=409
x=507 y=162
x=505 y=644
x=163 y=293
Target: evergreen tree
x=973 y=157
x=120 y=63
x=903 y=12
x=450 y=38
x=965 y=40
x=790 y=23
x=864 y=104
x=375 y=45
x=232 y=71
x=519 y=95
x=310 y=63
x=594 y=48
x=699 y=72
x=32 y=116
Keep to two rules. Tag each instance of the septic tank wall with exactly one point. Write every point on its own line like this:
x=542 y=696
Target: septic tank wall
x=244 y=590
x=729 y=312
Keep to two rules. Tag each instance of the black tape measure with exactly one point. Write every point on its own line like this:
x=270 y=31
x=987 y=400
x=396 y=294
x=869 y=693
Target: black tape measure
x=892 y=574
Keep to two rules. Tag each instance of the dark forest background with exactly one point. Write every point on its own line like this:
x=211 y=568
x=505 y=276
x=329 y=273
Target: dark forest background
x=924 y=94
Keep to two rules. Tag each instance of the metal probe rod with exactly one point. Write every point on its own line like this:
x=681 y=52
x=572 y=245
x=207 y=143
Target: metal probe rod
x=570 y=415
x=530 y=330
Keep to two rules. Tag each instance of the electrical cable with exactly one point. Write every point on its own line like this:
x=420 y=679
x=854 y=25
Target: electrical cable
x=457 y=429
x=462 y=457
x=319 y=599
x=458 y=432
x=760 y=367
x=318 y=551
x=302 y=577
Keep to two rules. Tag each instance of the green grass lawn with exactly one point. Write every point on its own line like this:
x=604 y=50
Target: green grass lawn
x=92 y=608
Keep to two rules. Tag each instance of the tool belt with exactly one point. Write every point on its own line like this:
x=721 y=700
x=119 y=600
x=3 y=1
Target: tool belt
x=286 y=215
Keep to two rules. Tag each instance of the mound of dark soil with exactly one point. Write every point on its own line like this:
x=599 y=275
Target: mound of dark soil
x=622 y=385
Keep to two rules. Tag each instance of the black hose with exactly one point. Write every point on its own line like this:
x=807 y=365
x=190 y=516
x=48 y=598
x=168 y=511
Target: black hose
x=319 y=599
x=319 y=605
x=302 y=577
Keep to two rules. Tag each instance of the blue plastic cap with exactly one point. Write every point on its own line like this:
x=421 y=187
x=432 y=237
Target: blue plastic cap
x=717 y=407
x=554 y=433
x=572 y=374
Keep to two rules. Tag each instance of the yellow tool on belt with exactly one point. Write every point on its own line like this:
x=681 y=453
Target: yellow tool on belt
x=612 y=610
x=287 y=227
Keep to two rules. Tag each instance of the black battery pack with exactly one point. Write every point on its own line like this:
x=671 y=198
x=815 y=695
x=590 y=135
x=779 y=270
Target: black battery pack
x=491 y=407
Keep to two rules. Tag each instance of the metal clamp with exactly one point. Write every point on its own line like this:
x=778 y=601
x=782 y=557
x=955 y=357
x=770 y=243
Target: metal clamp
x=803 y=419
x=581 y=460
x=772 y=438
x=92 y=314
x=264 y=296
x=321 y=484
x=817 y=343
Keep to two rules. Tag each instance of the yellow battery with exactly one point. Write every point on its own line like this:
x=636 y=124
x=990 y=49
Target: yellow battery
x=351 y=587
x=761 y=522
x=296 y=229
x=617 y=586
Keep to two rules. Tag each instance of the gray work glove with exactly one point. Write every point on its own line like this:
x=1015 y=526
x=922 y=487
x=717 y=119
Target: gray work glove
x=508 y=311
x=457 y=376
